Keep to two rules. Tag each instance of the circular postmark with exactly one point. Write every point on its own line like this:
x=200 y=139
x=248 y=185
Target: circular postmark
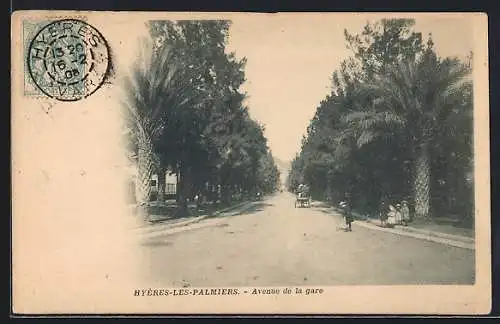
x=68 y=59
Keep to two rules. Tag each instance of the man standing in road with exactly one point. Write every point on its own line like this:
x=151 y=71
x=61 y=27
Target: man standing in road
x=348 y=213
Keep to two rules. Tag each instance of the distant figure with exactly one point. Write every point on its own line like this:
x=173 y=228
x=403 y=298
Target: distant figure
x=347 y=209
x=405 y=212
x=348 y=216
x=399 y=217
x=197 y=200
x=302 y=188
x=391 y=216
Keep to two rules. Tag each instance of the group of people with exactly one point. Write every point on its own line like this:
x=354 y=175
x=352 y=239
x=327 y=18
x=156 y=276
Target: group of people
x=302 y=189
x=392 y=215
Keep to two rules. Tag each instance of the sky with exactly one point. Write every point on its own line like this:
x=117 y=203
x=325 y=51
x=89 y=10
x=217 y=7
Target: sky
x=291 y=59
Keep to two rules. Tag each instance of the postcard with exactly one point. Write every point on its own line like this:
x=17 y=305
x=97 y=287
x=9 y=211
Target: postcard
x=250 y=163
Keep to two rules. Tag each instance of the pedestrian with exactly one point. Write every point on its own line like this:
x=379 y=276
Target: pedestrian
x=197 y=200
x=405 y=212
x=348 y=215
x=391 y=216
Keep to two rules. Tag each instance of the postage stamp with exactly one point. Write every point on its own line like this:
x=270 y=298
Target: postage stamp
x=66 y=59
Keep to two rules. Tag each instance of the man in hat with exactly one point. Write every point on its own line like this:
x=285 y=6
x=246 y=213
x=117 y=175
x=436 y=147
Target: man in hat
x=348 y=212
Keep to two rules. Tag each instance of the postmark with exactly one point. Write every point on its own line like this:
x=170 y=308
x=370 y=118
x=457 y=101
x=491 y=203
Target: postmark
x=68 y=59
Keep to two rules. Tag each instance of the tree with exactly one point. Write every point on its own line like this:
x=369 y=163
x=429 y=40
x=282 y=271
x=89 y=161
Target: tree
x=214 y=141
x=269 y=175
x=366 y=137
x=214 y=77
x=411 y=99
x=382 y=43
x=153 y=88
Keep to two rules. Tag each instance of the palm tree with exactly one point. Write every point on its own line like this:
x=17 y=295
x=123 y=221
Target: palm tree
x=410 y=100
x=154 y=87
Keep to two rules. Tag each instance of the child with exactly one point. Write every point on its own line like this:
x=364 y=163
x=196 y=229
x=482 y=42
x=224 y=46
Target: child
x=405 y=212
x=391 y=216
x=399 y=218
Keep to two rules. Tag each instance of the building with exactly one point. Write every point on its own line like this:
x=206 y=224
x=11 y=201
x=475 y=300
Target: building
x=132 y=173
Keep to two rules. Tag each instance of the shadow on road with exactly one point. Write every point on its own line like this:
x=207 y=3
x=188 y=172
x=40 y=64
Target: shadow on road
x=324 y=208
x=161 y=212
x=157 y=243
x=325 y=211
x=246 y=210
x=328 y=209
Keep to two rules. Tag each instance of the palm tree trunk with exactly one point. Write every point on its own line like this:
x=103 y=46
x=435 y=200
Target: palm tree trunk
x=421 y=189
x=145 y=170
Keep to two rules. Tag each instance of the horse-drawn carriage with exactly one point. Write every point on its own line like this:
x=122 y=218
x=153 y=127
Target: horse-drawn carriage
x=303 y=198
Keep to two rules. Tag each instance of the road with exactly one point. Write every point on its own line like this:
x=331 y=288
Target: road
x=275 y=244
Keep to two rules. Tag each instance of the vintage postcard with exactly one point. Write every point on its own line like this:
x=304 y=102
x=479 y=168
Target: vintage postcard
x=245 y=163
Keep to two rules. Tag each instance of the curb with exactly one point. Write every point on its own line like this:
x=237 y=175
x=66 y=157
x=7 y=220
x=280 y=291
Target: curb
x=454 y=237
x=427 y=237
x=410 y=229
x=436 y=237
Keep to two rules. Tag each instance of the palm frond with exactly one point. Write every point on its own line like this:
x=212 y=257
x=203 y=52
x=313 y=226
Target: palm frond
x=366 y=137
x=155 y=87
x=370 y=119
x=392 y=90
x=454 y=83
x=449 y=84
x=399 y=85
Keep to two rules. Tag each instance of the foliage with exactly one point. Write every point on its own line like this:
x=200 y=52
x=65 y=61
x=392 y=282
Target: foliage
x=396 y=125
x=209 y=140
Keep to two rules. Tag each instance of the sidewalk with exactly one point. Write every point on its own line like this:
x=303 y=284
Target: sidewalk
x=429 y=229
x=431 y=236
x=443 y=234
x=171 y=223
x=162 y=213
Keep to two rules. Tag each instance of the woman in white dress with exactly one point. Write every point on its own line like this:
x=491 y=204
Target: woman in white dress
x=391 y=216
x=399 y=216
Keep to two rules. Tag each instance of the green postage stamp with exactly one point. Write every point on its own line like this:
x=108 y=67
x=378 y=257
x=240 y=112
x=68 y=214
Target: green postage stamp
x=65 y=59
